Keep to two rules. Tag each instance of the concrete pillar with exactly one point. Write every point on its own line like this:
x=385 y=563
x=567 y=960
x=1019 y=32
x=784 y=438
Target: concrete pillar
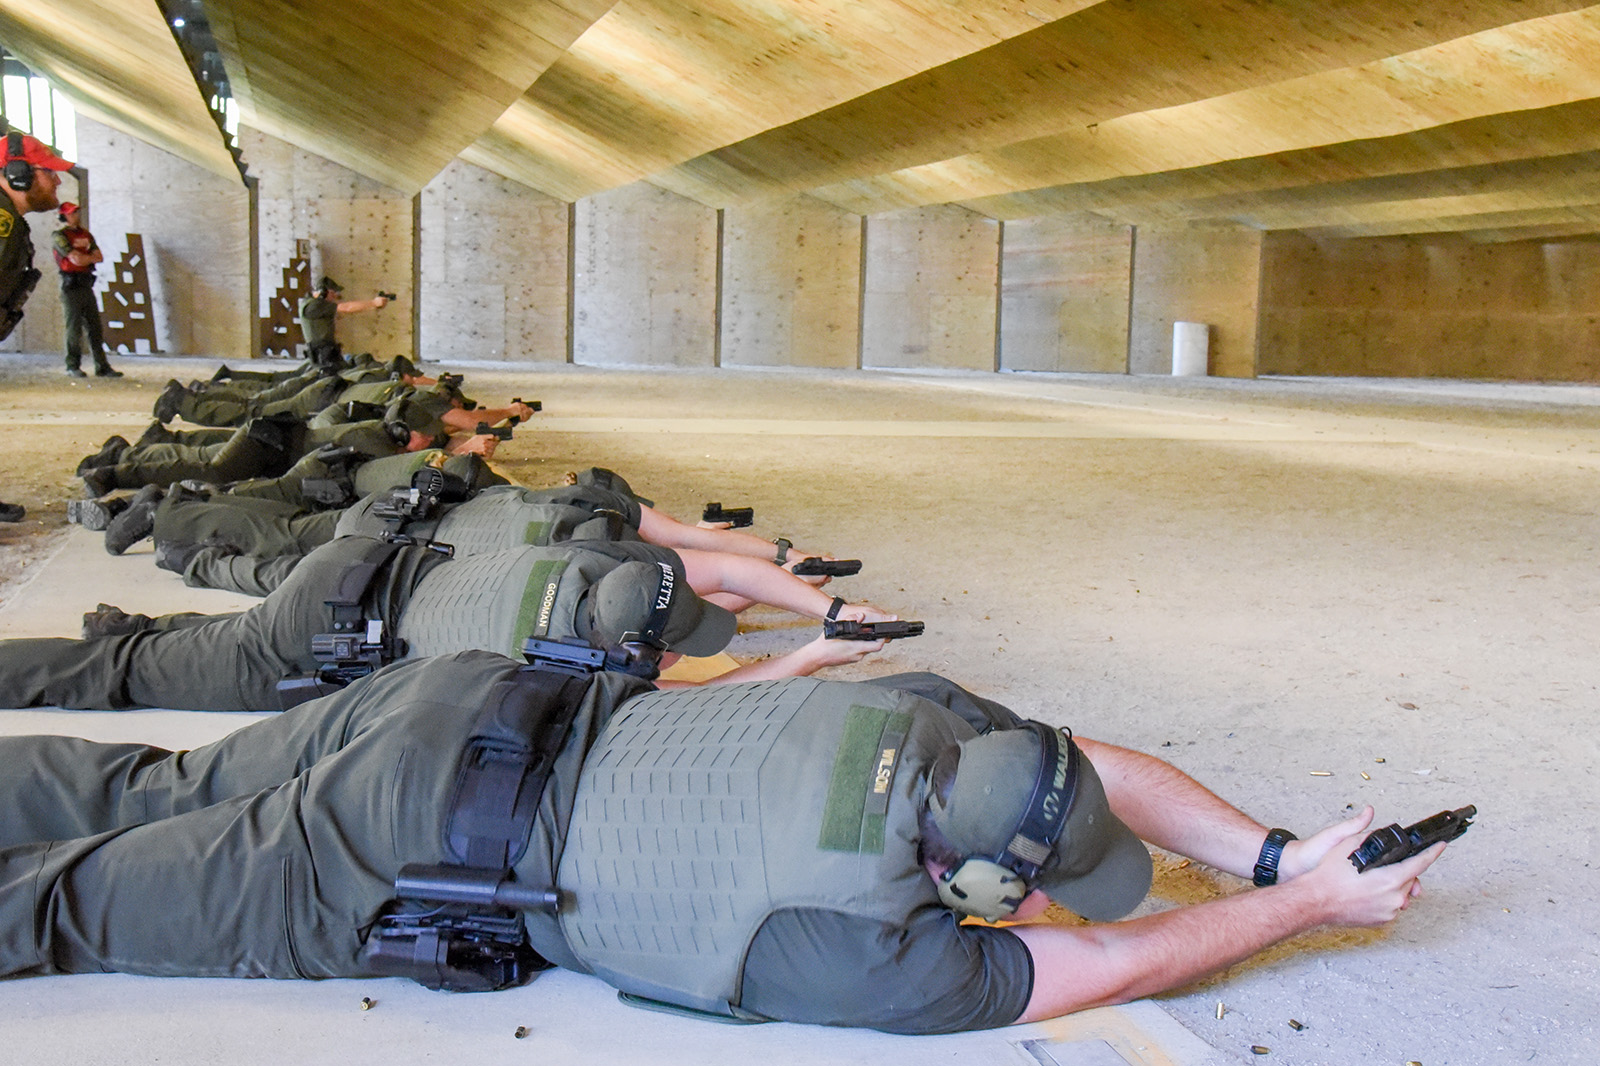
x=1065 y=284
x=791 y=285
x=1209 y=275
x=196 y=230
x=361 y=233
x=930 y=295
x=492 y=269
x=644 y=279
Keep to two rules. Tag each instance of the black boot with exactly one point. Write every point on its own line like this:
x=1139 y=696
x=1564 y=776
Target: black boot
x=108 y=621
x=135 y=523
x=95 y=514
x=166 y=407
x=110 y=454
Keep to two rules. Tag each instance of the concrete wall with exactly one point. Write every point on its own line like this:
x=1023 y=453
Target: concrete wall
x=361 y=234
x=196 y=229
x=644 y=279
x=1431 y=307
x=1064 y=290
x=493 y=269
x=930 y=297
x=1209 y=275
x=791 y=285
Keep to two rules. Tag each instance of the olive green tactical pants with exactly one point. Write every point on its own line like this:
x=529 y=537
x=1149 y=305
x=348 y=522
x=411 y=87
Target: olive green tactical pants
x=82 y=316
x=265 y=854
x=231 y=663
x=161 y=464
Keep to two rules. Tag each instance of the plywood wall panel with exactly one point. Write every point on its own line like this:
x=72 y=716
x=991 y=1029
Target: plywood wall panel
x=1436 y=306
x=493 y=269
x=196 y=229
x=791 y=285
x=931 y=278
x=1064 y=291
x=360 y=233
x=644 y=279
x=1195 y=274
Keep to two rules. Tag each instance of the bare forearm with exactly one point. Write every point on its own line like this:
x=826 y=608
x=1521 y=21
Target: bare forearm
x=658 y=528
x=1172 y=810
x=753 y=579
x=1092 y=966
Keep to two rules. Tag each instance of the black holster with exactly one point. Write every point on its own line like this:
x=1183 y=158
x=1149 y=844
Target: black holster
x=460 y=926
x=11 y=303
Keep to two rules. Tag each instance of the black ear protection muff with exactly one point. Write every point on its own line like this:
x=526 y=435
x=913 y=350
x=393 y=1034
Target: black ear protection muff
x=991 y=887
x=19 y=172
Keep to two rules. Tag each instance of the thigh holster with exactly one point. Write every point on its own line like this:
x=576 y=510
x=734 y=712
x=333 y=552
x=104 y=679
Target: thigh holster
x=459 y=926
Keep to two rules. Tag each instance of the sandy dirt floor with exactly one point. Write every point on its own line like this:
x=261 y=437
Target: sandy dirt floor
x=1310 y=595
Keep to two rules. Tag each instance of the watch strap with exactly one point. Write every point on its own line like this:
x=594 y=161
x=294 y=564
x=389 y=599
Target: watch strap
x=1266 y=872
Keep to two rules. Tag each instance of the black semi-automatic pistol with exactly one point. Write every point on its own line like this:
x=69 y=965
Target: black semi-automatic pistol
x=1392 y=844
x=812 y=565
x=839 y=629
x=737 y=517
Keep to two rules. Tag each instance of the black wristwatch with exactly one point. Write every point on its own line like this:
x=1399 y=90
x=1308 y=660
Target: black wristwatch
x=784 y=544
x=1271 y=852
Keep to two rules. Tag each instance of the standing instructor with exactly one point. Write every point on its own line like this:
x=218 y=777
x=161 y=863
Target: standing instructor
x=76 y=255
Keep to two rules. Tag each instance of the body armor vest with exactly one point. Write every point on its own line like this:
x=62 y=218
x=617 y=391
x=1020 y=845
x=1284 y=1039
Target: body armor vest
x=497 y=600
x=700 y=812
x=392 y=471
x=496 y=519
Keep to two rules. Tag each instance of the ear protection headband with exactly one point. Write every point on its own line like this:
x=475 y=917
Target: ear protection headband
x=19 y=172
x=991 y=887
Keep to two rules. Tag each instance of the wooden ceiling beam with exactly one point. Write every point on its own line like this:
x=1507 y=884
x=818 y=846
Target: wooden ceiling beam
x=117 y=61
x=1540 y=64
x=657 y=82
x=1583 y=218
x=1536 y=179
x=392 y=89
x=1567 y=129
x=1104 y=63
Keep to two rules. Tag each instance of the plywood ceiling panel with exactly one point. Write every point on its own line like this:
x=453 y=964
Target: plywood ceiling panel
x=118 y=63
x=1326 y=115
x=393 y=89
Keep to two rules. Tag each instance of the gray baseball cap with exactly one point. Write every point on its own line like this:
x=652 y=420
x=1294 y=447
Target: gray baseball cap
x=1099 y=868
x=639 y=595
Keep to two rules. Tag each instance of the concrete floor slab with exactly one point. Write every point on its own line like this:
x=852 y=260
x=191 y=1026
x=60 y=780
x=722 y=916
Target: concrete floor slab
x=1275 y=585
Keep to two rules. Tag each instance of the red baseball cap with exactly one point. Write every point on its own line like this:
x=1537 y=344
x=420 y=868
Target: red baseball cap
x=35 y=152
x=66 y=209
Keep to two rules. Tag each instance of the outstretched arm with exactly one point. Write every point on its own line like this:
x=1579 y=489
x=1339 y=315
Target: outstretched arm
x=1170 y=809
x=760 y=581
x=1091 y=966
x=656 y=527
x=474 y=445
x=350 y=306
x=802 y=662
